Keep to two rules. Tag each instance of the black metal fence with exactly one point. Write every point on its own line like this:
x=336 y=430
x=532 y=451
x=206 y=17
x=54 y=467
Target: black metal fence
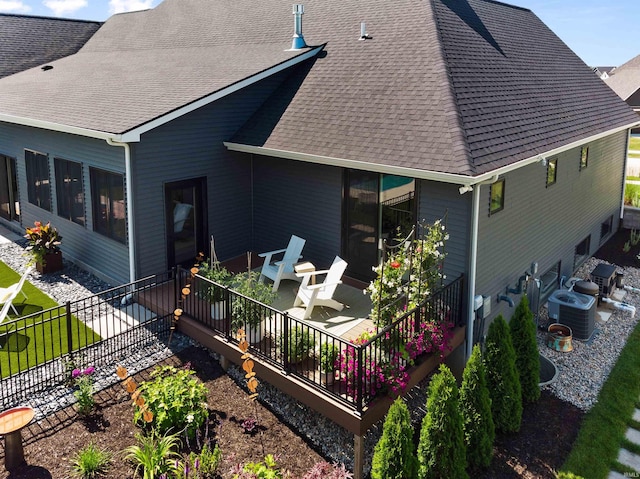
x=360 y=371
x=39 y=351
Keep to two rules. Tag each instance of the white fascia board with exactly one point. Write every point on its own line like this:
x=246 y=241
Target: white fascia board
x=463 y=180
x=550 y=153
x=354 y=164
x=134 y=135
x=47 y=125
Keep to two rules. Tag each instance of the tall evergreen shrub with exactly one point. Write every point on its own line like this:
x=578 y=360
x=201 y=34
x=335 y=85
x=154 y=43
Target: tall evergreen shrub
x=502 y=377
x=393 y=456
x=523 y=336
x=441 y=450
x=475 y=404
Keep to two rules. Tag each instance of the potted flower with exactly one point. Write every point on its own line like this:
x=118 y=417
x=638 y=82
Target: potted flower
x=215 y=294
x=329 y=353
x=249 y=314
x=44 y=247
x=300 y=344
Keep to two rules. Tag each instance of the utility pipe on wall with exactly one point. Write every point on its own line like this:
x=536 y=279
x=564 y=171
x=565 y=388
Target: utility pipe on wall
x=129 y=183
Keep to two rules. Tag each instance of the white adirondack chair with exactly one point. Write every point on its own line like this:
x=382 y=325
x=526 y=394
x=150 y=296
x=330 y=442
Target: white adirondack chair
x=8 y=294
x=321 y=294
x=282 y=269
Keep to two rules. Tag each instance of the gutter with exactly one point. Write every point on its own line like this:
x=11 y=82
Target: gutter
x=462 y=180
x=130 y=223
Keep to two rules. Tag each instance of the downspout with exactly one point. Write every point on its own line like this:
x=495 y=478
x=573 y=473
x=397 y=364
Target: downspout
x=475 y=212
x=473 y=259
x=129 y=183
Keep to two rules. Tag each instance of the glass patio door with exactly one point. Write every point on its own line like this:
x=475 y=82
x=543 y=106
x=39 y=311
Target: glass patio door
x=9 y=205
x=377 y=207
x=185 y=205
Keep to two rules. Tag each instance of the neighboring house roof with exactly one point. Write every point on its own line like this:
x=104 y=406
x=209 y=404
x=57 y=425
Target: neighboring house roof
x=625 y=80
x=450 y=86
x=28 y=41
x=444 y=85
x=143 y=65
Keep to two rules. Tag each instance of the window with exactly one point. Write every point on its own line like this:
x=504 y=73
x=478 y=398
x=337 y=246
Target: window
x=549 y=281
x=497 y=197
x=107 y=198
x=69 y=191
x=584 y=157
x=38 y=186
x=552 y=171
x=606 y=228
x=581 y=252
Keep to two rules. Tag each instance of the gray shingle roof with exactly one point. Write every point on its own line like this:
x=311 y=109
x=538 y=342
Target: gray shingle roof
x=140 y=66
x=452 y=86
x=28 y=41
x=625 y=80
x=444 y=85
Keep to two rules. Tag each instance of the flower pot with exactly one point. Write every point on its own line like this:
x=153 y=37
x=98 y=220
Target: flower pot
x=255 y=333
x=52 y=263
x=560 y=337
x=327 y=378
x=219 y=310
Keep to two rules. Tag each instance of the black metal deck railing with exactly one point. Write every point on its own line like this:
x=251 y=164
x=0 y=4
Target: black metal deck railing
x=362 y=371
x=38 y=351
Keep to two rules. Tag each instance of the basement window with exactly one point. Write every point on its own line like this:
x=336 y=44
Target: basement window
x=606 y=228
x=581 y=252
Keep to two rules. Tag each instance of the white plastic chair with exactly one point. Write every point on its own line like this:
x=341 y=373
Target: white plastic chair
x=283 y=269
x=321 y=294
x=8 y=294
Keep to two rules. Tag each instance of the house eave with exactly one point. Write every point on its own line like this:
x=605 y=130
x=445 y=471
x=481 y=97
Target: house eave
x=48 y=125
x=352 y=164
x=463 y=180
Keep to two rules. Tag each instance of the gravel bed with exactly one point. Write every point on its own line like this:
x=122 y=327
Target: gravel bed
x=581 y=372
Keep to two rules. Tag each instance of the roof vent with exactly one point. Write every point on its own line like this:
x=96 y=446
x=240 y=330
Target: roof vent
x=298 y=40
x=47 y=68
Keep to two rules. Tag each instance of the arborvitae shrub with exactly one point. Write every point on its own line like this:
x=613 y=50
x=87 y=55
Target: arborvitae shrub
x=475 y=404
x=441 y=450
x=393 y=456
x=523 y=336
x=502 y=377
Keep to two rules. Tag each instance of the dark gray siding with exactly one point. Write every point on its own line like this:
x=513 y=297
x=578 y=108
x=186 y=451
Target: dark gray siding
x=291 y=197
x=106 y=257
x=438 y=200
x=544 y=224
x=191 y=147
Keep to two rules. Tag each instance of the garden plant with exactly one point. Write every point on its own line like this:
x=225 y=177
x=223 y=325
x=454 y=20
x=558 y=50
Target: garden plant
x=475 y=405
x=502 y=377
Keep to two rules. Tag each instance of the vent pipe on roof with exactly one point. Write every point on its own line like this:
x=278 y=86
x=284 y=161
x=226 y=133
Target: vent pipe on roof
x=363 y=32
x=298 y=40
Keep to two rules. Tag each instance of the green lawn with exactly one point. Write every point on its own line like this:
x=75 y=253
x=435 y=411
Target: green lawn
x=602 y=433
x=38 y=337
x=634 y=143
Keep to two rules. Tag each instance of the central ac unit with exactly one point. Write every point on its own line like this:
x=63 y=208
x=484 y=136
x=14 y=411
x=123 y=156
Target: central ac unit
x=576 y=310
